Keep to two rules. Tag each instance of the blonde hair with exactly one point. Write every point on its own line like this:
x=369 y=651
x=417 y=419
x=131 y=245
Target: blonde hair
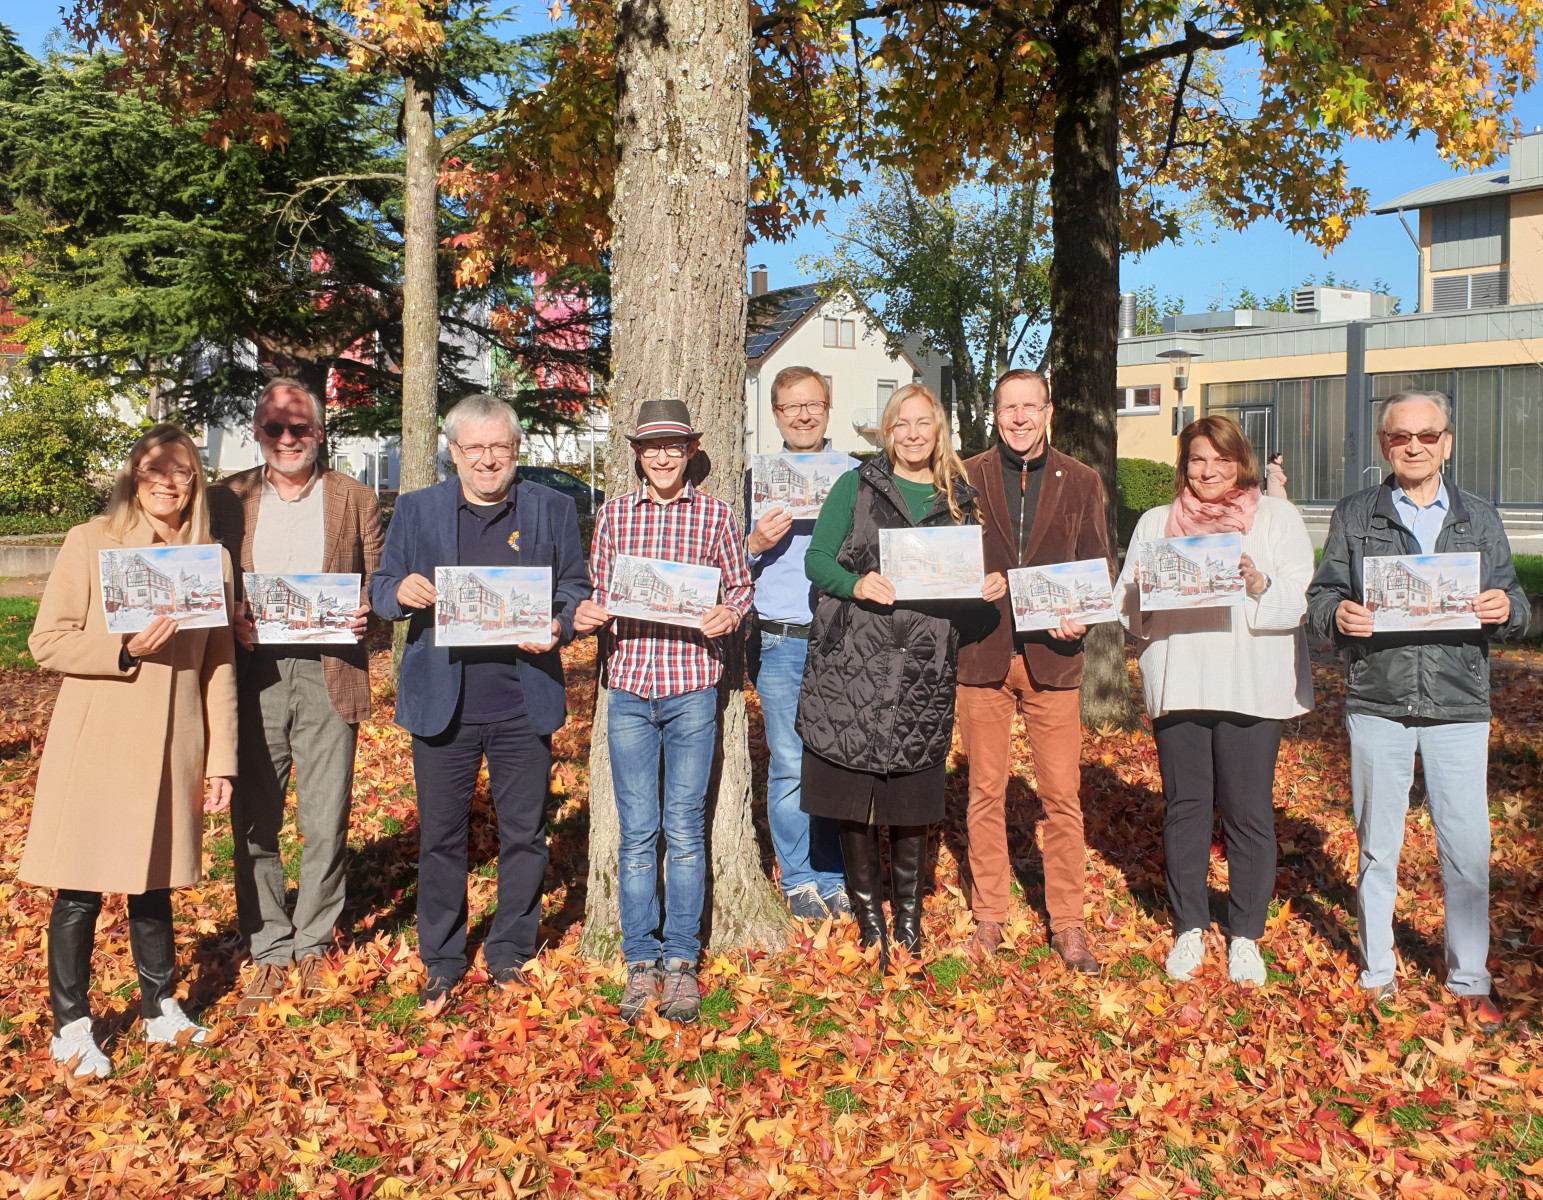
x=123 y=511
x=947 y=468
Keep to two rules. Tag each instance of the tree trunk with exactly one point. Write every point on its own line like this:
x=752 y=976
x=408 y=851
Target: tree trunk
x=420 y=292
x=1085 y=288
x=678 y=329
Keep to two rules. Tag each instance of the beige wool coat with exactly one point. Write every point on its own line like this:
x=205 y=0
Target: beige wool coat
x=120 y=791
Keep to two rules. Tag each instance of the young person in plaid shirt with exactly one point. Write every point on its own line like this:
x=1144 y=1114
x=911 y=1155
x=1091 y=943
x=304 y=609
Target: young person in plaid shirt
x=663 y=682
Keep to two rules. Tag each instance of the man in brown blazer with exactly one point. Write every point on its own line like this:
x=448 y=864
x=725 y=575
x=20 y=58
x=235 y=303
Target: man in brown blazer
x=1037 y=506
x=299 y=705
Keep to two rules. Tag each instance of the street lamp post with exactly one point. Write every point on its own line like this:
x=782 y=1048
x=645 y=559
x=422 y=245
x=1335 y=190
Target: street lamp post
x=1179 y=360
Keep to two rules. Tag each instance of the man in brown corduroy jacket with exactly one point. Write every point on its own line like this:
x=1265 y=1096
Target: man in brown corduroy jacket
x=1037 y=506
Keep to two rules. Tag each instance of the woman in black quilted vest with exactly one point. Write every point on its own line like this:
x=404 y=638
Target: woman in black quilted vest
x=876 y=711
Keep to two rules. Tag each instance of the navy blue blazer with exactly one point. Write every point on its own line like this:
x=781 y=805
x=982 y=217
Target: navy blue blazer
x=422 y=536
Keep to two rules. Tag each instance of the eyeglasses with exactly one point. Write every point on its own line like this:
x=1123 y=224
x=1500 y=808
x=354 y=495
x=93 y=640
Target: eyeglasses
x=299 y=431
x=816 y=408
x=180 y=476
x=663 y=449
x=1399 y=440
x=494 y=452
x=1022 y=410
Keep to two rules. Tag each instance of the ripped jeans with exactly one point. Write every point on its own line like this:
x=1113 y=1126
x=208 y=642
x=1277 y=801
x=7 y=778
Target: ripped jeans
x=684 y=728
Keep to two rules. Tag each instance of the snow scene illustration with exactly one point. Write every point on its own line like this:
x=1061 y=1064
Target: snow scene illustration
x=141 y=584
x=1420 y=591
x=1043 y=594
x=304 y=608
x=795 y=483
x=1191 y=572
x=652 y=589
x=932 y=564
x=492 y=606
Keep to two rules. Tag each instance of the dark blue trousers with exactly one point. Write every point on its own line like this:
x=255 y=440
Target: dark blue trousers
x=445 y=774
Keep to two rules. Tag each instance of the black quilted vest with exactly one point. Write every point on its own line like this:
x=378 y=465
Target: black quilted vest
x=878 y=688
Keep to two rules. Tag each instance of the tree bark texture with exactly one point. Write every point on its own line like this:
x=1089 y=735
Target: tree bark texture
x=420 y=295
x=678 y=330
x=1085 y=289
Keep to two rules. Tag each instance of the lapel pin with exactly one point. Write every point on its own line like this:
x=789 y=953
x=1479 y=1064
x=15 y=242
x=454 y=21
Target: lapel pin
x=514 y=540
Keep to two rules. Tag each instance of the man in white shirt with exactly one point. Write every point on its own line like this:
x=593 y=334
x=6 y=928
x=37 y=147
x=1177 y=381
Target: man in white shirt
x=299 y=706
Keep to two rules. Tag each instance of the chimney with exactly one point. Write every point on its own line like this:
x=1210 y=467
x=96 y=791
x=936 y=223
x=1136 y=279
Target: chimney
x=1127 y=314
x=758 y=281
x=1527 y=157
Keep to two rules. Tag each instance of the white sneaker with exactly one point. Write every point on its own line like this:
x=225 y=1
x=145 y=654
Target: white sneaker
x=1243 y=962
x=1188 y=953
x=171 y=1022
x=75 y=1042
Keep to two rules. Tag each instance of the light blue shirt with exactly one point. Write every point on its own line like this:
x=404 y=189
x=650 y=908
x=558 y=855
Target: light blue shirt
x=782 y=590
x=1422 y=520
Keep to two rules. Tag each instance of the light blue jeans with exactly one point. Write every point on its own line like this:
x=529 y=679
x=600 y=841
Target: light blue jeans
x=808 y=848
x=1455 y=756
x=684 y=728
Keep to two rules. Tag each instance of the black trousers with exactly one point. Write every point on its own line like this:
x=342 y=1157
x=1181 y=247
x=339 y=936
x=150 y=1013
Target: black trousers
x=72 y=935
x=1218 y=761
x=445 y=774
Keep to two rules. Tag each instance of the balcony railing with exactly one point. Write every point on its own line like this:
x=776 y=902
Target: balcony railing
x=866 y=420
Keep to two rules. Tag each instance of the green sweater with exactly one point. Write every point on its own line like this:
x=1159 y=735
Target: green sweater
x=835 y=522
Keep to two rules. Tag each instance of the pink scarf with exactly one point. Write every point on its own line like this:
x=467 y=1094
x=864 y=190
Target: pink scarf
x=1189 y=515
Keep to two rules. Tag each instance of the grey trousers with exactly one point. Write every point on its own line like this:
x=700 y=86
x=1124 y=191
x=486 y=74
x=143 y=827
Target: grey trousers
x=287 y=719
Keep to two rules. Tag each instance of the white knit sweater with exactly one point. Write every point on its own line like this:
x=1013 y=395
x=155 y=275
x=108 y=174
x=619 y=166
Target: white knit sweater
x=1250 y=658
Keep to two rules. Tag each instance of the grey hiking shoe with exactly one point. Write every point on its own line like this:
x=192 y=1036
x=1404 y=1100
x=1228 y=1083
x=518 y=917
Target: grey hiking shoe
x=643 y=980
x=804 y=903
x=681 y=999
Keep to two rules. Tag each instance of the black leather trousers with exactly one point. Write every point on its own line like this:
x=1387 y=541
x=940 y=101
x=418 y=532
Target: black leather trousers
x=72 y=933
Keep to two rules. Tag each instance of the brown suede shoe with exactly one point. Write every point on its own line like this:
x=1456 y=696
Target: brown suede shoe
x=987 y=939
x=311 y=967
x=1072 y=946
x=267 y=981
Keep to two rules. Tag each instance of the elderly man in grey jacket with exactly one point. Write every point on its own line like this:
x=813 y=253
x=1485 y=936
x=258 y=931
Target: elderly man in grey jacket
x=1409 y=691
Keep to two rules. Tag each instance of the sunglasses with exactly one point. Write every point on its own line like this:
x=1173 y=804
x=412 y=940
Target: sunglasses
x=275 y=429
x=1400 y=440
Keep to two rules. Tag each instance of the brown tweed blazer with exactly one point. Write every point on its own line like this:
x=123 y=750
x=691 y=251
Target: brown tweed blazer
x=351 y=543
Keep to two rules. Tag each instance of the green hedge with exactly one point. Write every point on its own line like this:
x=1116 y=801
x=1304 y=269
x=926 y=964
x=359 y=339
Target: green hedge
x=1142 y=484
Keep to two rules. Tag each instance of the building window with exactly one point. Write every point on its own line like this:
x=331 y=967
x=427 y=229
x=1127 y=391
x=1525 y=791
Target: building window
x=886 y=390
x=1141 y=399
x=841 y=334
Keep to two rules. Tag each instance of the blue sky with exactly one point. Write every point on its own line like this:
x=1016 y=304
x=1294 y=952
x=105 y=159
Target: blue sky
x=1208 y=264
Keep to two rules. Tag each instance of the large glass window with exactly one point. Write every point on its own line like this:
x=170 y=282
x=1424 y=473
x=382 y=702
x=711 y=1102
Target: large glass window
x=1302 y=418
x=1474 y=465
x=1328 y=436
x=1521 y=436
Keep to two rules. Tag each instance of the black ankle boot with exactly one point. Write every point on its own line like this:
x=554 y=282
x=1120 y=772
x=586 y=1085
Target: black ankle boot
x=907 y=870
x=865 y=887
x=155 y=950
x=71 y=935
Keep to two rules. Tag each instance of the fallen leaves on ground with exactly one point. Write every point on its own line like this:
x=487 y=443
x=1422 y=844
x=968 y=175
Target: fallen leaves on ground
x=808 y=1075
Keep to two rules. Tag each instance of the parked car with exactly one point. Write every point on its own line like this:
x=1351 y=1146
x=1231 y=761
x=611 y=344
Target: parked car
x=567 y=484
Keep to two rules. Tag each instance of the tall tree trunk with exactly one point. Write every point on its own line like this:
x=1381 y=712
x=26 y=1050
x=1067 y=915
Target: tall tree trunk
x=420 y=292
x=1085 y=288
x=678 y=329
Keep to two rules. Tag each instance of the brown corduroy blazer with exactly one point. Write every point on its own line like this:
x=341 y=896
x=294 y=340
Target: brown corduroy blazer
x=1069 y=524
x=351 y=543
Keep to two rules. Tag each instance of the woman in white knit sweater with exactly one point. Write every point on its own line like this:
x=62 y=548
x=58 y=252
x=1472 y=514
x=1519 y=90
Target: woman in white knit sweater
x=1219 y=682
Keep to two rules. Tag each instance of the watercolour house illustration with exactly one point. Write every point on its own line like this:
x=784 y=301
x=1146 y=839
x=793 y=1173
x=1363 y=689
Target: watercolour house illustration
x=1191 y=572
x=492 y=606
x=183 y=582
x=932 y=564
x=651 y=589
x=795 y=483
x=1420 y=591
x=304 y=608
x=1081 y=590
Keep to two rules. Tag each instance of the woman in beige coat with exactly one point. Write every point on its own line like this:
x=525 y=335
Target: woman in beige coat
x=141 y=744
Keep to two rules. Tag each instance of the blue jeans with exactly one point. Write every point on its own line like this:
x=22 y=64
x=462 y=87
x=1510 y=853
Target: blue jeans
x=808 y=848
x=685 y=729
x=1455 y=755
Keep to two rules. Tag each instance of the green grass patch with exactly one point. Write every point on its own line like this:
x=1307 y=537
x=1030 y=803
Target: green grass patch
x=947 y=972
x=841 y=1100
x=610 y=992
x=354 y=1164
x=16 y=616
x=716 y=1006
x=731 y=1067
x=1529 y=571
x=222 y=852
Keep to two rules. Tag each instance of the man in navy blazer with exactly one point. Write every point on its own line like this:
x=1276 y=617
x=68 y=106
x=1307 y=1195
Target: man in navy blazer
x=466 y=703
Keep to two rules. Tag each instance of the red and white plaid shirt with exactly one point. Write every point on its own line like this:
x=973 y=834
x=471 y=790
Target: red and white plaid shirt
x=649 y=658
